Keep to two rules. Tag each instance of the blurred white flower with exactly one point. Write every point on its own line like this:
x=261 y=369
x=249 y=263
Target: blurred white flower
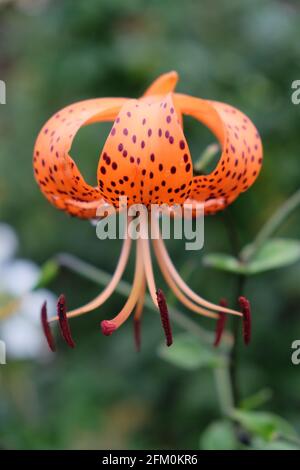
x=20 y=326
x=8 y=243
x=20 y=276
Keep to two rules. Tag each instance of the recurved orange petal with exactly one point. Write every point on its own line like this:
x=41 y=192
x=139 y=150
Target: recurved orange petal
x=241 y=158
x=55 y=171
x=163 y=85
x=146 y=157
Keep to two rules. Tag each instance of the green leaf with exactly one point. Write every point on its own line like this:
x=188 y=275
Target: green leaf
x=279 y=444
x=257 y=399
x=266 y=425
x=190 y=353
x=218 y=436
x=49 y=272
x=224 y=262
x=275 y=253
x=206 y=157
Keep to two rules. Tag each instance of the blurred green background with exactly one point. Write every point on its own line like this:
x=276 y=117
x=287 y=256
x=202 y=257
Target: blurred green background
x=52 y=53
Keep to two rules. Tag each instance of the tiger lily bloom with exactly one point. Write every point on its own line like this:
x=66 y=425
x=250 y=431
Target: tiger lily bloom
x=147 y=159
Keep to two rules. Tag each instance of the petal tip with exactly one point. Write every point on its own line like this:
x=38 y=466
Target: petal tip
x=164 y=84
x=172 y=74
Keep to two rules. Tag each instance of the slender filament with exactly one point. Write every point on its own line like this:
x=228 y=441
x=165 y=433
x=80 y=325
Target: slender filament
x=109 y=289
x=163 y=253
x=146 y=256
x=173 y=286
x=108 y=326
x=141 y=300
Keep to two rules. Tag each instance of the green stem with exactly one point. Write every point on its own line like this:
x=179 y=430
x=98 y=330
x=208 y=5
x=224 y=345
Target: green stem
x=205 y=158
x=231 y=233
x=224 y=389
x=242 y=435
x=227 y=382
x=226 y=377
x=234 y=356
x=235 y=325
x=272 y=225
x=103 y=278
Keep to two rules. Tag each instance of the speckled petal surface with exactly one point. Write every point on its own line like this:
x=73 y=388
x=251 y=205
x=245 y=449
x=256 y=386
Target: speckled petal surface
x=55 y=171
x=146 y=156
x=241 y=158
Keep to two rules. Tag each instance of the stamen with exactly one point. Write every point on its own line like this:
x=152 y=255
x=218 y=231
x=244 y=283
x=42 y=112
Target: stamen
x=220 y=327
x=137 y=333
x=46 y=327
x=63 y=321
x=164 y=315
x=137 y=317
x=109 y=289
x=146 y=255
x=173 y=286
x=109 y=326
x=246 y=309
x=178 y=279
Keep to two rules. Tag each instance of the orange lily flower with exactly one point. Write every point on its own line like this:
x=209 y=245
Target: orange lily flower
x=147 y=159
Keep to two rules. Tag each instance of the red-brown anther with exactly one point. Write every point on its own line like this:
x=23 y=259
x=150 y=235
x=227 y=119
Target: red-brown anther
x=221 y=322
x=63 y=321
x=246 y=310
x=137 y=334
x=164 y=315
x=108 y=327
x=46 y=327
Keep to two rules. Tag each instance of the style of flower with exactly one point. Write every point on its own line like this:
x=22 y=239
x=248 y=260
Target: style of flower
x=147 y=159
